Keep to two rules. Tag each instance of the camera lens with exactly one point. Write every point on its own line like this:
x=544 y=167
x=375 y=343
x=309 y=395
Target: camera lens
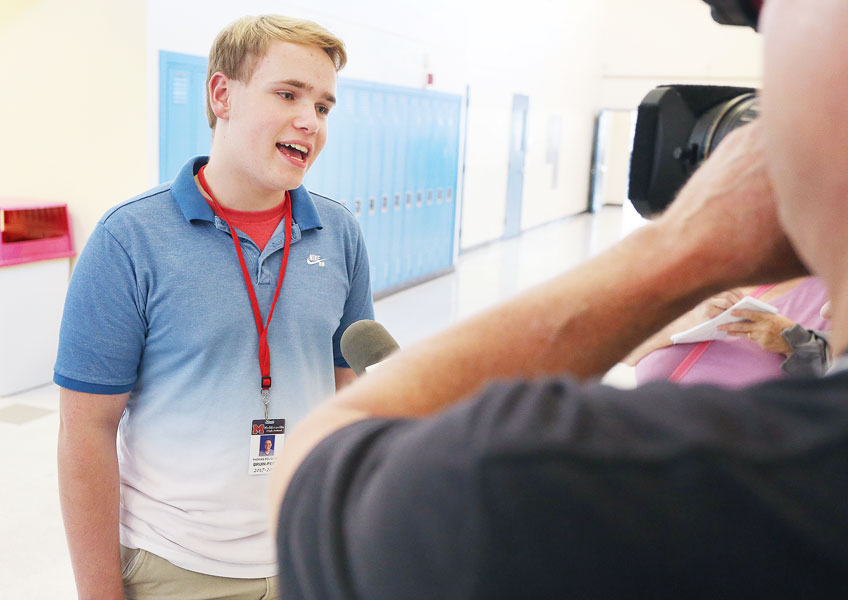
x=714 y=125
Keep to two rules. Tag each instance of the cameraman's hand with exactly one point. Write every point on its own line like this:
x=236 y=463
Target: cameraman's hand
x=725 y=218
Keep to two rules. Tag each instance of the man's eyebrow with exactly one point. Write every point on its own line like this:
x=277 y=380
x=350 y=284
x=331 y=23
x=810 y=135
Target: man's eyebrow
x=306 y=86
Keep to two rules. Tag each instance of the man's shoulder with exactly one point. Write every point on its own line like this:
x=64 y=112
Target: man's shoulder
x=561 y=418
x=148 y=206
x=332 y=210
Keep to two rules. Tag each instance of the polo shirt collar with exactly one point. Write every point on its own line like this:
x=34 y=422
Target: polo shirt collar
x=194 y=206
x=304 y=212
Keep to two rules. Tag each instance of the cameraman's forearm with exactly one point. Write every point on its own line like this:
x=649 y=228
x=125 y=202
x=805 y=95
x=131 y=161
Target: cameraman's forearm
x=580 y=323
x=89 y=491
x=660 y=339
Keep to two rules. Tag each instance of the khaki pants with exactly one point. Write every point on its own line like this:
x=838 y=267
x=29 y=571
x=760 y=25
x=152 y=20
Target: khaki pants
x=148 y=577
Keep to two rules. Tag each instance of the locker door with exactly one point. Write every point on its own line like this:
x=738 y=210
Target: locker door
x=421 y=151
x=183 y=129
x=399 y=188
x=345 y=166
x=450 y=136
x=385 y=130
x=361 y=159
x=375 y=188
x=430 y=178
x=410 y=230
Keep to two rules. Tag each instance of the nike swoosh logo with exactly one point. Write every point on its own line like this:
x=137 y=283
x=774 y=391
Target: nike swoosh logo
x=314 y=261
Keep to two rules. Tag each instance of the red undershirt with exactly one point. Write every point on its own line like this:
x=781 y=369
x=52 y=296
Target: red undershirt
x=259 y=225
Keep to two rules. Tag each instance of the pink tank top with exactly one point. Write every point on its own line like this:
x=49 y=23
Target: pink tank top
x=737 y=362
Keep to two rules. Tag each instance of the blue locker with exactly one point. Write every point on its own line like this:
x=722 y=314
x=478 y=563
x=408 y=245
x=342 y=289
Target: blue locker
x=424 y=124
x=433 y=164
x=419 y=110
x=400 y=134
x=410 y=232
x=345 y=167
x=183 y=129
x=444 y=153
x=450 y=162
x=376 y=126
x=361 y=159
x=384 y=127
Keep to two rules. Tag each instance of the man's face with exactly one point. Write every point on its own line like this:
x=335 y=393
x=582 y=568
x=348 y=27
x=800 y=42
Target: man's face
x=805 y=112
x=268 y=445
x=276 y=124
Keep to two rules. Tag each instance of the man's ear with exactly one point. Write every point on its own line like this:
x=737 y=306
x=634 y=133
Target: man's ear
x=219 y=95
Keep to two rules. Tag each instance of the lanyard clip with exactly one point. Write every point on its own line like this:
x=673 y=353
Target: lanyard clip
x=266 y=400
x=266 y=383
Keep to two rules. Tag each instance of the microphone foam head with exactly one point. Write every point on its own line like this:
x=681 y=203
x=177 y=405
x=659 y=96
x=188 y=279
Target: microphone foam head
x=366 y=343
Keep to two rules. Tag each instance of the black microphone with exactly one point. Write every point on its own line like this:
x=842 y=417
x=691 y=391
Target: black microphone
x=365 y=343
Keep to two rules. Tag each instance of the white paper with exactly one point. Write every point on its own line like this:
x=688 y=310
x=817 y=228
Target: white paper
x=708 y=330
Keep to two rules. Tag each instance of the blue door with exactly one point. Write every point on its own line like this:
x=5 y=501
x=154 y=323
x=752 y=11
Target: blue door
x=515 y=172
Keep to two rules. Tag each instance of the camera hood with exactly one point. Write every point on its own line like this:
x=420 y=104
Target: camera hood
x=736 y=12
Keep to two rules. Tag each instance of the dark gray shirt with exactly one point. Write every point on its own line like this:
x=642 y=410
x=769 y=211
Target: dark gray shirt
x=554 y=490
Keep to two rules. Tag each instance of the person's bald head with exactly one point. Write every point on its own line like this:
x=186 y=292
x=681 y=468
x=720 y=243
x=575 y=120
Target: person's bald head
x=805 y=112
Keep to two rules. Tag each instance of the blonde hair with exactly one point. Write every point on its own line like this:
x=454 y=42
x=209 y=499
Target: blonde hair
x=240 y=45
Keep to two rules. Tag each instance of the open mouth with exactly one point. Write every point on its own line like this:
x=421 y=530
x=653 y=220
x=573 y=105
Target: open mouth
x=295 y=151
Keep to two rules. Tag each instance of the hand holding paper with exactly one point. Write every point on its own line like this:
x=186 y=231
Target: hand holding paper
x=708 y=330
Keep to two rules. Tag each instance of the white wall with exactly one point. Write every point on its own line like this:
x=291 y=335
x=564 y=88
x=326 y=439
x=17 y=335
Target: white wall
x=548 y=51
x=657 y=42
x=74 y=116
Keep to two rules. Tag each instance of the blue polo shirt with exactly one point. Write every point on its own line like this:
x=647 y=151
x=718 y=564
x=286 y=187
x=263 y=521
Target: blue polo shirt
x=157 y=306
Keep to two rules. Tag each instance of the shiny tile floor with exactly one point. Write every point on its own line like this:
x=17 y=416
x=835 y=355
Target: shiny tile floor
x=34 y=561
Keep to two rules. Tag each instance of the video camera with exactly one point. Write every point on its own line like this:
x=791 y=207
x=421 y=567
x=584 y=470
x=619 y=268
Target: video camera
x=679 y=126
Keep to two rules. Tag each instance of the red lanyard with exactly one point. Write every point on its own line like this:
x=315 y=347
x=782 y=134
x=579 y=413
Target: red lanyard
x=262 y=330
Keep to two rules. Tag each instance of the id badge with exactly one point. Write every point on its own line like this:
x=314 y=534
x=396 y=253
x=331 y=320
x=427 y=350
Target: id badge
x=266 y=440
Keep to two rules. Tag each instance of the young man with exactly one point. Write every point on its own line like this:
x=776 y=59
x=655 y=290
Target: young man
x=192 y=347
x=409 y=487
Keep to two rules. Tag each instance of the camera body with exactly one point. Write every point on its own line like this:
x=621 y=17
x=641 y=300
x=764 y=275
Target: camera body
x=678 y=126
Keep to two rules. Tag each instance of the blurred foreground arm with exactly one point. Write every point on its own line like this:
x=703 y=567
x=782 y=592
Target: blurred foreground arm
x=721 y=232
